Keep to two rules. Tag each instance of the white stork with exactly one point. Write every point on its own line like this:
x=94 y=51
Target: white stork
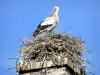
x=49 y=23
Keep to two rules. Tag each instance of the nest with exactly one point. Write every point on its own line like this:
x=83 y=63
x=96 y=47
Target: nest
x=51 y=45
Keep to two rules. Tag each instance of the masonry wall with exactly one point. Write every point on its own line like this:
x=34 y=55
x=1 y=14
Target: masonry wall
x=68 y=67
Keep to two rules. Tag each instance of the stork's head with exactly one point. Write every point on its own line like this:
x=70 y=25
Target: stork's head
x=56 y=9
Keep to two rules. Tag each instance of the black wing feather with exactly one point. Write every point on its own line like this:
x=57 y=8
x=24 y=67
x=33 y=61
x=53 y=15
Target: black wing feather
x=40 y=28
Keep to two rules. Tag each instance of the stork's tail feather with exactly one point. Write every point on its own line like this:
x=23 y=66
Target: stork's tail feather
x=35 y=33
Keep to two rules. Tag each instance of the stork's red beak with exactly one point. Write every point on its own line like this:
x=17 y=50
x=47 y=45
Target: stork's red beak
x=52 y=12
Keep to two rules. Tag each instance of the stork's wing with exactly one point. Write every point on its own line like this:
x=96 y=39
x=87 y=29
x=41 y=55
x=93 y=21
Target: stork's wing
x=39 y=28
x=44 y=24
x=48 y=21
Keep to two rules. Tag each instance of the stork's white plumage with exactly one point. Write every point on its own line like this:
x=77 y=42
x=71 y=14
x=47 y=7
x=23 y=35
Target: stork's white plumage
x=49 y=23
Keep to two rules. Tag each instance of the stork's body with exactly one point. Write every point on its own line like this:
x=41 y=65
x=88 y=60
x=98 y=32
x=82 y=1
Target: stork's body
x=49 y=23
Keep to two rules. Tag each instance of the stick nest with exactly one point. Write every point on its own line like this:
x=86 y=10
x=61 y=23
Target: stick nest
x=52 y=45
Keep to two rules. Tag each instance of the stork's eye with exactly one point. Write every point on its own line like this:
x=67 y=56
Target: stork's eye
x=55 y=8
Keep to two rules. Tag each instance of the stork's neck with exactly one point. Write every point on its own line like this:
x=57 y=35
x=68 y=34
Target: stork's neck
x=56 y=15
